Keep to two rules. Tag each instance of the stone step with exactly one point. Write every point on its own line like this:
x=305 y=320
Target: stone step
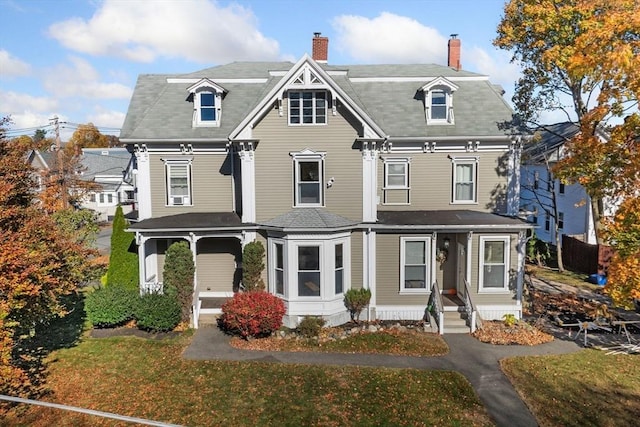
x=208 y=319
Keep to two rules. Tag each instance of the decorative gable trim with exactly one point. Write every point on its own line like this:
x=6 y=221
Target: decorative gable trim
x=206 y=83
x=439 y=81
x=275 y=97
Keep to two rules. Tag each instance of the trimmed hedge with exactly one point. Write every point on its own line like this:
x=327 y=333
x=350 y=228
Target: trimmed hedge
x=157 y=312
x=253 y=314
x=110 y=306
x=123 y=265
x=311 y=326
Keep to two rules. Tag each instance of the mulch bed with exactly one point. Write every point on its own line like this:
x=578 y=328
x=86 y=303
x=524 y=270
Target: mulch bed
x=131 y=332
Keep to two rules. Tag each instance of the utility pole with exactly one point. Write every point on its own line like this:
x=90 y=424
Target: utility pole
x=60 y=157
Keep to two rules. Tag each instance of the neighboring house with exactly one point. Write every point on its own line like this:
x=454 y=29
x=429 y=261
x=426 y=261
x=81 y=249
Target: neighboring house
x=43 y=162
x=539 y=188
x=108 y=167
x=397 y=178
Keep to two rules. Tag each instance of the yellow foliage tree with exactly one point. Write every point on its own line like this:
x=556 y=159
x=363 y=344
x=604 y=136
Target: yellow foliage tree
x=581 y=57
x=85 y=136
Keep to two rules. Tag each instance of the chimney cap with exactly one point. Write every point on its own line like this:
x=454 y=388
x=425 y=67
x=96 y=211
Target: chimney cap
x=317 y=34
x=455 y=35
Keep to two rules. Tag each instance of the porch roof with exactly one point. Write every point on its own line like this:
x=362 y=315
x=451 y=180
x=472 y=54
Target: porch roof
x=451 y=220
x=300 y=219
x=189 y=222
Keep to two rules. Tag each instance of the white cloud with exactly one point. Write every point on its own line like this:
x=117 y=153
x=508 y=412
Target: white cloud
x=80 y=79
x=497 y=66
x=198 y=30
x=10 y=66
x=15 y=103
x=389 y=38
x=104 y=118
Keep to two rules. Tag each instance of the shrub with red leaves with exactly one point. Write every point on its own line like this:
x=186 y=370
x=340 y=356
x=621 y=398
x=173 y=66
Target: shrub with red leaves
x=253 y=314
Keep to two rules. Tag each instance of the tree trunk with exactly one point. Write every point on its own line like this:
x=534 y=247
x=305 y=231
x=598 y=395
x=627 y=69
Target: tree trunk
x=596 y=213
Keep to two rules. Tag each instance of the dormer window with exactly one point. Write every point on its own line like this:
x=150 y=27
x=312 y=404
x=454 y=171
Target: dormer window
x=207 y=103
x=438 y=101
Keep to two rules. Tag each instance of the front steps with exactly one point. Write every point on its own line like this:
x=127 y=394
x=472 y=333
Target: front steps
x=455 y=321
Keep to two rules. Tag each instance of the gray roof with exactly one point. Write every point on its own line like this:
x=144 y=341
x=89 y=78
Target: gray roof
x=190 y=222
x=160 y=110
x=449 y=219
x=104 y=161
x=309 y=218
x=548 y=138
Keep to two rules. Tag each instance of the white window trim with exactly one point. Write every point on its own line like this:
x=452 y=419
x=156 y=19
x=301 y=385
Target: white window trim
x=507 y=257
x=169 y=199
x=343 y=269
x=327 y=266
x=314 y=122
x=397 y=161
x=308 y=156
x=206 y=86
x=273 y=258
x=428 y=266
x=439 y=84
x=464 y=161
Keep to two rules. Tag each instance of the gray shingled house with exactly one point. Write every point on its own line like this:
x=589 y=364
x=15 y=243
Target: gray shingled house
x=397 y=178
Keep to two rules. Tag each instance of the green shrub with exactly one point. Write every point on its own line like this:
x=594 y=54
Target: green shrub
x=110 y=306
x=178 y=276
x=252 y=266
x=356 y=300
x=157 y=312
x=509 y=319
x=310 y=326
x=252 y=314
x=123 y=264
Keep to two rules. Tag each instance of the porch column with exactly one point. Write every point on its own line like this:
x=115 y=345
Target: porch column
x=141 y=241
x=193 y=245
x=248 y=170
x=469 y=252
x=522 y=247
x=369 y=182
x=143 y=182
x=369 y=267
x=434 y=250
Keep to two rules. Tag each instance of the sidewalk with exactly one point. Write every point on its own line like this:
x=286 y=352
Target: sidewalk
x=477 y=361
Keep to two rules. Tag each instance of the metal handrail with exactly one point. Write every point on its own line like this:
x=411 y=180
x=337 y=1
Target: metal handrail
x=435 y=300
x=471 y=309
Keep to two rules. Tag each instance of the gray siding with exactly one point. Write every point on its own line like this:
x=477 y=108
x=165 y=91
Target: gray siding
x=216 y=264
x=211 y=185
x=488 y=298
x=430 y=179
x=274 y=165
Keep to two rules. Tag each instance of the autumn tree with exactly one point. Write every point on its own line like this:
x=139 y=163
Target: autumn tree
x=39 y=264
x=580 y=57
x=85 y=136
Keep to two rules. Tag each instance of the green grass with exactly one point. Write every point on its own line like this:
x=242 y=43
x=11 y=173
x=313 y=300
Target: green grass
x=589 y=388
x=149 y=379
x=567 y=277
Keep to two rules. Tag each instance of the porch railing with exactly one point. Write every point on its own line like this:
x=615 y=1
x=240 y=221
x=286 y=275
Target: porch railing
x=436 y=304
x=471 y=309
x=151 y=286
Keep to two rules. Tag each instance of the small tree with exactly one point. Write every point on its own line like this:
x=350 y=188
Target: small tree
x=253 y=266
x=123 y=265
x=178 y=276
x=356 y=300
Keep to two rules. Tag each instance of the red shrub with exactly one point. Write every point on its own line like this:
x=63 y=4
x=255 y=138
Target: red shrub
x=253 y=314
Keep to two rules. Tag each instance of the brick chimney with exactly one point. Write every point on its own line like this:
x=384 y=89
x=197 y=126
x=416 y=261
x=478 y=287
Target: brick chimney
x=454 y=52
x=320 y=50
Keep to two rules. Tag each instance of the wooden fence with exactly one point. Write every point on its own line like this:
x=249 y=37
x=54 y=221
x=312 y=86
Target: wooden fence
x=584 y=257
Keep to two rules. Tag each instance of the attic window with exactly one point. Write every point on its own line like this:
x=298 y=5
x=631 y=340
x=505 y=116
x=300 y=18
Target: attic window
x=207 y=103
x=438 y=101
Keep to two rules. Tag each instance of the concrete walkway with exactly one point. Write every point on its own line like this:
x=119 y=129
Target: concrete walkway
x=477 y=361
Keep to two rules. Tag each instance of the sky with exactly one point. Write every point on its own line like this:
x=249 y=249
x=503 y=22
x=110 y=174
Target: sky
x=79 y=59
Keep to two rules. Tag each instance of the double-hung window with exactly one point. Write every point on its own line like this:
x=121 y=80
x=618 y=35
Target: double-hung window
x=178 y=181
x=560 y=220
x=278 y=268
x=339 y=268
x=396 y=181
x=307 y=107
x=207 y=103
x=308 y=179
x=465 y=177
x=438 y=105
x=309 y=263
x=494 y=261
x=415 y=271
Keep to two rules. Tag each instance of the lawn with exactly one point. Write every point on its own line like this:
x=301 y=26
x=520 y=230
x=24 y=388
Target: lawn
x=149 y=379
x=589 y=388
x=567 y=277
